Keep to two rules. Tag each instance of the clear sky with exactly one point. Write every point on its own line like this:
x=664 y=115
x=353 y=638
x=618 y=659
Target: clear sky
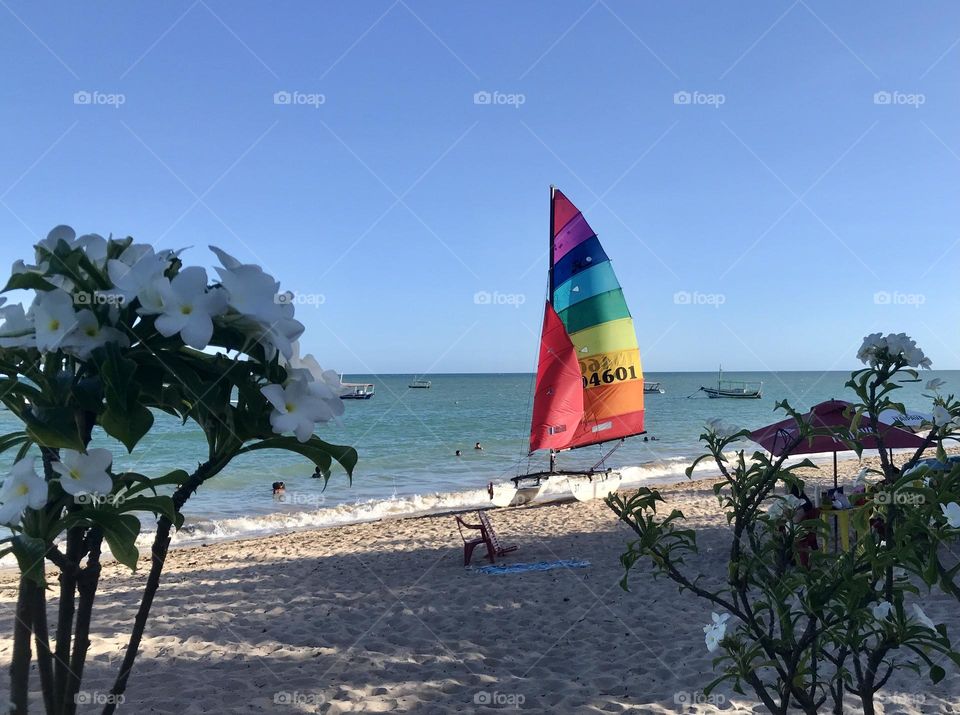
x=795 y=207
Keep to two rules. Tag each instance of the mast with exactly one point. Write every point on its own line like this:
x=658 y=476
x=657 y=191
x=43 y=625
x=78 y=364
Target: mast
x=553 y=457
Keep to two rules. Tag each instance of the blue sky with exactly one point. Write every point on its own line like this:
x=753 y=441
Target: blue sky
x=769 y=223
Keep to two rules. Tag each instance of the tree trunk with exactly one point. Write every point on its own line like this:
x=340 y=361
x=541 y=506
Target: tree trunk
x=161 y=543
x=87 y=589
x=42 y=637
x=65 y=612
x=20 y=662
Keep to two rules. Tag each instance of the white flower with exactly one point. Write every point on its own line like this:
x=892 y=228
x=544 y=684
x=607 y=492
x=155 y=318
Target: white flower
x=95 y=247
x=715 y=631
x=137 y=269
x=783 y=505
x=57 y=234
x=21 y=489
x=922 y=617
x=296 y=409
x=187 y=307
x=53 y=318
x=85 y=473
x=951 y=512
x=90 y=335
x=322 y=384
x=941 y=415
x=882 y=610
x=876 y=348
x=935 y=384
x=266 y=314
x=17 y=328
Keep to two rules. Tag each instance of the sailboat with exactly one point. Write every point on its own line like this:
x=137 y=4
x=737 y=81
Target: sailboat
x=589 y=386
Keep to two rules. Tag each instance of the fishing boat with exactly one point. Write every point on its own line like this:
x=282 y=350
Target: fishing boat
x=736 y=389
x=419 y=384
x=589 y=386
x=652 y=388
x=356 y=390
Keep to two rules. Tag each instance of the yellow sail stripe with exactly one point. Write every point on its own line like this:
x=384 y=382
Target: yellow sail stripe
x=610 y=337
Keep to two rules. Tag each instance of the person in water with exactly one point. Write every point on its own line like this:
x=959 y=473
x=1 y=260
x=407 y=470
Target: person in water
x=477 y=446
x=320 y=473
x=279 y=489
x=457 y=453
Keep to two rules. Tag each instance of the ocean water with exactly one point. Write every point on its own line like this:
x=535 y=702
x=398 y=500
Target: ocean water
x=406 y=439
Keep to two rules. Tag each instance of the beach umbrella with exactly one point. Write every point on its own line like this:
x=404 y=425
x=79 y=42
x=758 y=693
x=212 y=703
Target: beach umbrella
x=778 y=437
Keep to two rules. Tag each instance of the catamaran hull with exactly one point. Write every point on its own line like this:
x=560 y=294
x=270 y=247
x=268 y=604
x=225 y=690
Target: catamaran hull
x=713 y=394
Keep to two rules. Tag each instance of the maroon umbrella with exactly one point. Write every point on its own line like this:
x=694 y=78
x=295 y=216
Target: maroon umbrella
x=780 y=438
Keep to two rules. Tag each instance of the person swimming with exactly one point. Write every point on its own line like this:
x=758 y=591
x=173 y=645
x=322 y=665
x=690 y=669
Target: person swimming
x=477 y=446
x=457 y=453
x=279 y=489
x=320 y=473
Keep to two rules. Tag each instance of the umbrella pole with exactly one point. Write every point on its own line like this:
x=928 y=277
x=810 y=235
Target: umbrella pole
x=836 y=528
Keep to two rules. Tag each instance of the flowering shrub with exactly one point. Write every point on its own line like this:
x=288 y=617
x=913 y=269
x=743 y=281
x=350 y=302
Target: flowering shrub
x=112 y=332
x=803 y=626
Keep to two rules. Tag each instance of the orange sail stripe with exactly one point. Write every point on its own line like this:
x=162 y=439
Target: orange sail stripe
x=608 y=400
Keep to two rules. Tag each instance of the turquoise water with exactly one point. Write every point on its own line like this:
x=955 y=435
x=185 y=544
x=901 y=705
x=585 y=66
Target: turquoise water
x=407 y=438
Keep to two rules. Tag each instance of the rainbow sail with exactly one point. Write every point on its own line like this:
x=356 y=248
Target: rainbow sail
x=586 y=297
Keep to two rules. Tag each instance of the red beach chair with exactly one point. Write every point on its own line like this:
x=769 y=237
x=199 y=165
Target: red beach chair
x=488 y=537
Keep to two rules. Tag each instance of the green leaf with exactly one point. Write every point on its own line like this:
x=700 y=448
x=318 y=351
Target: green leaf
x=125 y=418
x=314 y=449
x=120 y=532
x=159 y=505
x=27 y=281
x=30 y=552
x=54 y=427
x=936 y=673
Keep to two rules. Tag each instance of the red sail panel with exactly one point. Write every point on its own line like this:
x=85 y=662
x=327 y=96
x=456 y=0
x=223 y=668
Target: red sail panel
x=570 y=228
x=558 y=396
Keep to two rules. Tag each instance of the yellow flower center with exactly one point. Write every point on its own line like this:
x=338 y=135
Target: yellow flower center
x=54 y=324
x=22 y=490
x=74 y=474
x=290 y=407
x=186 y=309
x=91 y=332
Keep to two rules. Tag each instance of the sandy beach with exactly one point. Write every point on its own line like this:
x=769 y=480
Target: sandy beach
x=382 y=617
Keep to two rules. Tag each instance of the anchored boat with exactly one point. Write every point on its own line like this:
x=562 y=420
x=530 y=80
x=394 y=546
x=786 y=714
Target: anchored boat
x=589 y=388
x=734 y=388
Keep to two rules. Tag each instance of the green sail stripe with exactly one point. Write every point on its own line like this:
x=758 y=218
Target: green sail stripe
x=594 y=311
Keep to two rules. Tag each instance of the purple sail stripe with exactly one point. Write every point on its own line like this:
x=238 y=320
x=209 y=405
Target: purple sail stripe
x=570 y=236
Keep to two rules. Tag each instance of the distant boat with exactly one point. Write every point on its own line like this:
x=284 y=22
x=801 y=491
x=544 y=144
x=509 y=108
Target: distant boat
x=735 y=389
x=420 y=384
x=652 y=388
x=356 y=390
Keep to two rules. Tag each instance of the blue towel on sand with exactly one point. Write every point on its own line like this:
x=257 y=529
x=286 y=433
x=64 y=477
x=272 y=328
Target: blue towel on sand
x=539 y=566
